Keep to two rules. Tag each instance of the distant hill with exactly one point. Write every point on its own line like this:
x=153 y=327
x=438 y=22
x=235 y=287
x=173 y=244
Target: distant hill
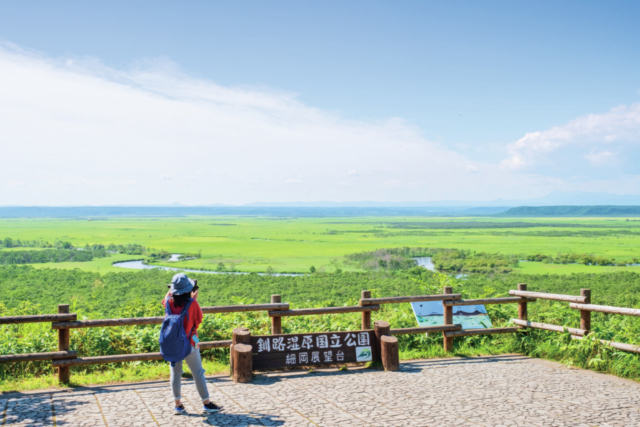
x=573 y=211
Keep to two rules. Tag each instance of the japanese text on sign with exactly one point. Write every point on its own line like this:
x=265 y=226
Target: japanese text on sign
x=321 y=342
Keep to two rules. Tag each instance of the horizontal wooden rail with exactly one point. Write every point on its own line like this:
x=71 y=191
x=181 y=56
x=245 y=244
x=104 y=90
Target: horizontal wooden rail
x=215 y=344
x=488 y=331
x=32 y=357
x=554 y=297
x=245 y=307
x=425 y=329
x=548 y=327
x=118 y=358
x=107 y=359
x=618 y=345
x=485 y=301
x=415 y=298
x=99 y=323
x=325 y=310
x=606 y=309
x=37 y=318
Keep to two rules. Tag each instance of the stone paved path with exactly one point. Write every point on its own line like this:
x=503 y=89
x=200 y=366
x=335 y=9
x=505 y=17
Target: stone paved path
x=493 y=391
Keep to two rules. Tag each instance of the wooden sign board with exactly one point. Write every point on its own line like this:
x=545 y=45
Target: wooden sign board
x=325 y=348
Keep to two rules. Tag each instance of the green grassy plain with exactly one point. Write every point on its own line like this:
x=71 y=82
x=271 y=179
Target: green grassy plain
x=294 y=244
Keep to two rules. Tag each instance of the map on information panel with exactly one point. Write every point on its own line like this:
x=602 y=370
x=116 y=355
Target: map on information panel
x=325 y=348
x=430 y=313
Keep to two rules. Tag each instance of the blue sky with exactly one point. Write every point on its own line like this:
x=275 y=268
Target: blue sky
x=523 y=98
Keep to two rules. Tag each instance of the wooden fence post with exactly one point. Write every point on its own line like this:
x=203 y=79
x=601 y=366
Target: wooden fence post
x=585 y=316
x=64 y=372
x=242 y=363
x=447 y=320
x=366 y=315
x=522 y=306
x=380 y=328
x=239 y=337
x=276 y=321
x=388 y=346
x=389 y=353
x=241 y=359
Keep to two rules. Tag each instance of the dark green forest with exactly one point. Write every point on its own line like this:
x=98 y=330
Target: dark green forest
x=49 y=255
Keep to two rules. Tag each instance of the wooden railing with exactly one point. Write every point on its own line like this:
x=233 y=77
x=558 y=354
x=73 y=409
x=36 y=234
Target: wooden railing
x=64 y=321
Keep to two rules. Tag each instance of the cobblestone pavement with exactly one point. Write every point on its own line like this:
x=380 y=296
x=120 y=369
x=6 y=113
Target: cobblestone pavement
x=491 y=391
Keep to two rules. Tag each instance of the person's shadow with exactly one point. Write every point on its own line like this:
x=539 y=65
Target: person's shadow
x=222 y=419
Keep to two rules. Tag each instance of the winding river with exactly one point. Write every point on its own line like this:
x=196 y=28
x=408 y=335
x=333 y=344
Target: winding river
x=424 y=262
x=138 y=265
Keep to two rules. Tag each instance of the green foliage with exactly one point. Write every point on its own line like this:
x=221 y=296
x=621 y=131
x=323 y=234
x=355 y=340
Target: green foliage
x=28 y=291
x=157 y=256
x=586 y=259
x=129 y=249
x=49 y=255
x=457 y=260
x=388 y=259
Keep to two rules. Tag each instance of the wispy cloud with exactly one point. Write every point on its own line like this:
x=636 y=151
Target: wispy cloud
x=590 y=133
x=600 y=158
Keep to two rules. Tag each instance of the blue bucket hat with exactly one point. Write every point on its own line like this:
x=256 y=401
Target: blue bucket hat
x=181 y=284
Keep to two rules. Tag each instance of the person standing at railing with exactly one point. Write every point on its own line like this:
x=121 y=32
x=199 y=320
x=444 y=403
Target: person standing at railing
x=183 y=296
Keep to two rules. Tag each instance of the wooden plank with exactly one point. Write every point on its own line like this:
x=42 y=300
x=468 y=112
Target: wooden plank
x=617 y=345
x=101 y=323
x=117 y=358
x=606 y=309
x=425 y=329
x=244 y=307
x=32 y=357
x=415 y=298
x=485 y=301
x=38 y=318
x=313 y=349
x=472 y=332
x=207 y=345
x=548 y=327
x=107 y=359
x=325 y=310
x=554 y=297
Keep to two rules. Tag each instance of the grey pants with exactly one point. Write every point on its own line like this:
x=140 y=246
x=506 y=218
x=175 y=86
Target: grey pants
x=195 y=366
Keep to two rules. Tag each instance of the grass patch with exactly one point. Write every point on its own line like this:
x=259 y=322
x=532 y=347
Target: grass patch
x=109 y=374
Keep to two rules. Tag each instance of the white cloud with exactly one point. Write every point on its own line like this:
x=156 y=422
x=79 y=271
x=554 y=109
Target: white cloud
x=600 y=158
x=122 y=130
x=620 y=125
